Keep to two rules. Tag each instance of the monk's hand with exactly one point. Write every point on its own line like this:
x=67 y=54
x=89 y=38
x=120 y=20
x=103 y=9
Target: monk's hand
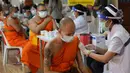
x=48 y=19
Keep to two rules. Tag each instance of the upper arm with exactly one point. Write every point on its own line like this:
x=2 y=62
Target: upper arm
x=12 y=23
x=32 y=25
x=79 y=60
x=115 y=45
x=47 y=57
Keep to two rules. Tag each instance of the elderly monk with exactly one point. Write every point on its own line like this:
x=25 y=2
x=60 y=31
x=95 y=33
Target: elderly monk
x=60 y=53
x=13 y=31
x=31 y=54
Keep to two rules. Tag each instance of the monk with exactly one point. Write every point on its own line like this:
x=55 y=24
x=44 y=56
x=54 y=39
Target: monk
x=31 y=54
x=13 y=31
x=60 y=53
x=1 y=13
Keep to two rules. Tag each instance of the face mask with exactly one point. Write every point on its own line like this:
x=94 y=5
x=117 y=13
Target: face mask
x=6 y=13
x=67 y=39
x=15 y=15
x=33 y=12
x=25 y=15
x=74 y=15
x=43 y=14
x=103 y=27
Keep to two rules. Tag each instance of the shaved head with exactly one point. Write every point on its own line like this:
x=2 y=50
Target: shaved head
x=66 y=21
x=67 y=25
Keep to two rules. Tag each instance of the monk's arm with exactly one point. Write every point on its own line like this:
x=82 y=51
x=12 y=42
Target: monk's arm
x=11 y=22
x=81 y=66
x=25 y=34
x=33 y=26
x=47 y=59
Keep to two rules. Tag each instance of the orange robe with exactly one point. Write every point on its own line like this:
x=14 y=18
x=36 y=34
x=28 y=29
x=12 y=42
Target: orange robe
x=63 y=61
x=13 y=37
x=31 y=54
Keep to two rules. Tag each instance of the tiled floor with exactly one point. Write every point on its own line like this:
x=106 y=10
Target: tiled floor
x=10 y=67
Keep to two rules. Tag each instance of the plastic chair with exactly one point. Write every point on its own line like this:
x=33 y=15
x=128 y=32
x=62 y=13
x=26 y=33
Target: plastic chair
x=8 y=47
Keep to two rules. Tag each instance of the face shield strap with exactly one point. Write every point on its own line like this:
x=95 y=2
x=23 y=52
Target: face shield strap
x=108 y=17
x=114 y=17
x=74 y=9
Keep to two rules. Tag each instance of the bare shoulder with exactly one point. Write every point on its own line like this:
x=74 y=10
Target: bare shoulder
x=10 y=21
x=50 y=44
x=34 y=19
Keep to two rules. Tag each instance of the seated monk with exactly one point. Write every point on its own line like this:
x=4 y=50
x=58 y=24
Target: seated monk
x=1 y=16
x=1 y=13
x=61 y=53
x=13 y=31
x=31 y=54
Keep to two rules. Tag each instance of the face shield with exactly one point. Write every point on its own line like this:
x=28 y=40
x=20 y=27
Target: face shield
x=74 y=9
x=77 y=10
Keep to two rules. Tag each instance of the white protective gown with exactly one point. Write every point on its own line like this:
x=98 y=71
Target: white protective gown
x=117 y=37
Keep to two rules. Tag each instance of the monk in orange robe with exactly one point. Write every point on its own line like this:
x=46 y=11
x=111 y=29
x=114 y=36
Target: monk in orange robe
x=60 y=53
x=31 y=54
x=13 y=31
x=1 y=13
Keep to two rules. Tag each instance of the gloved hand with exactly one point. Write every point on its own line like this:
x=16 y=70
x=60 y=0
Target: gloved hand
x=83 y=49
x=91 y=47
x=86 y=52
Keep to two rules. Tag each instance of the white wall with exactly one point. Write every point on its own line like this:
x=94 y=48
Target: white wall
x=115 y=2
x=15 y=2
